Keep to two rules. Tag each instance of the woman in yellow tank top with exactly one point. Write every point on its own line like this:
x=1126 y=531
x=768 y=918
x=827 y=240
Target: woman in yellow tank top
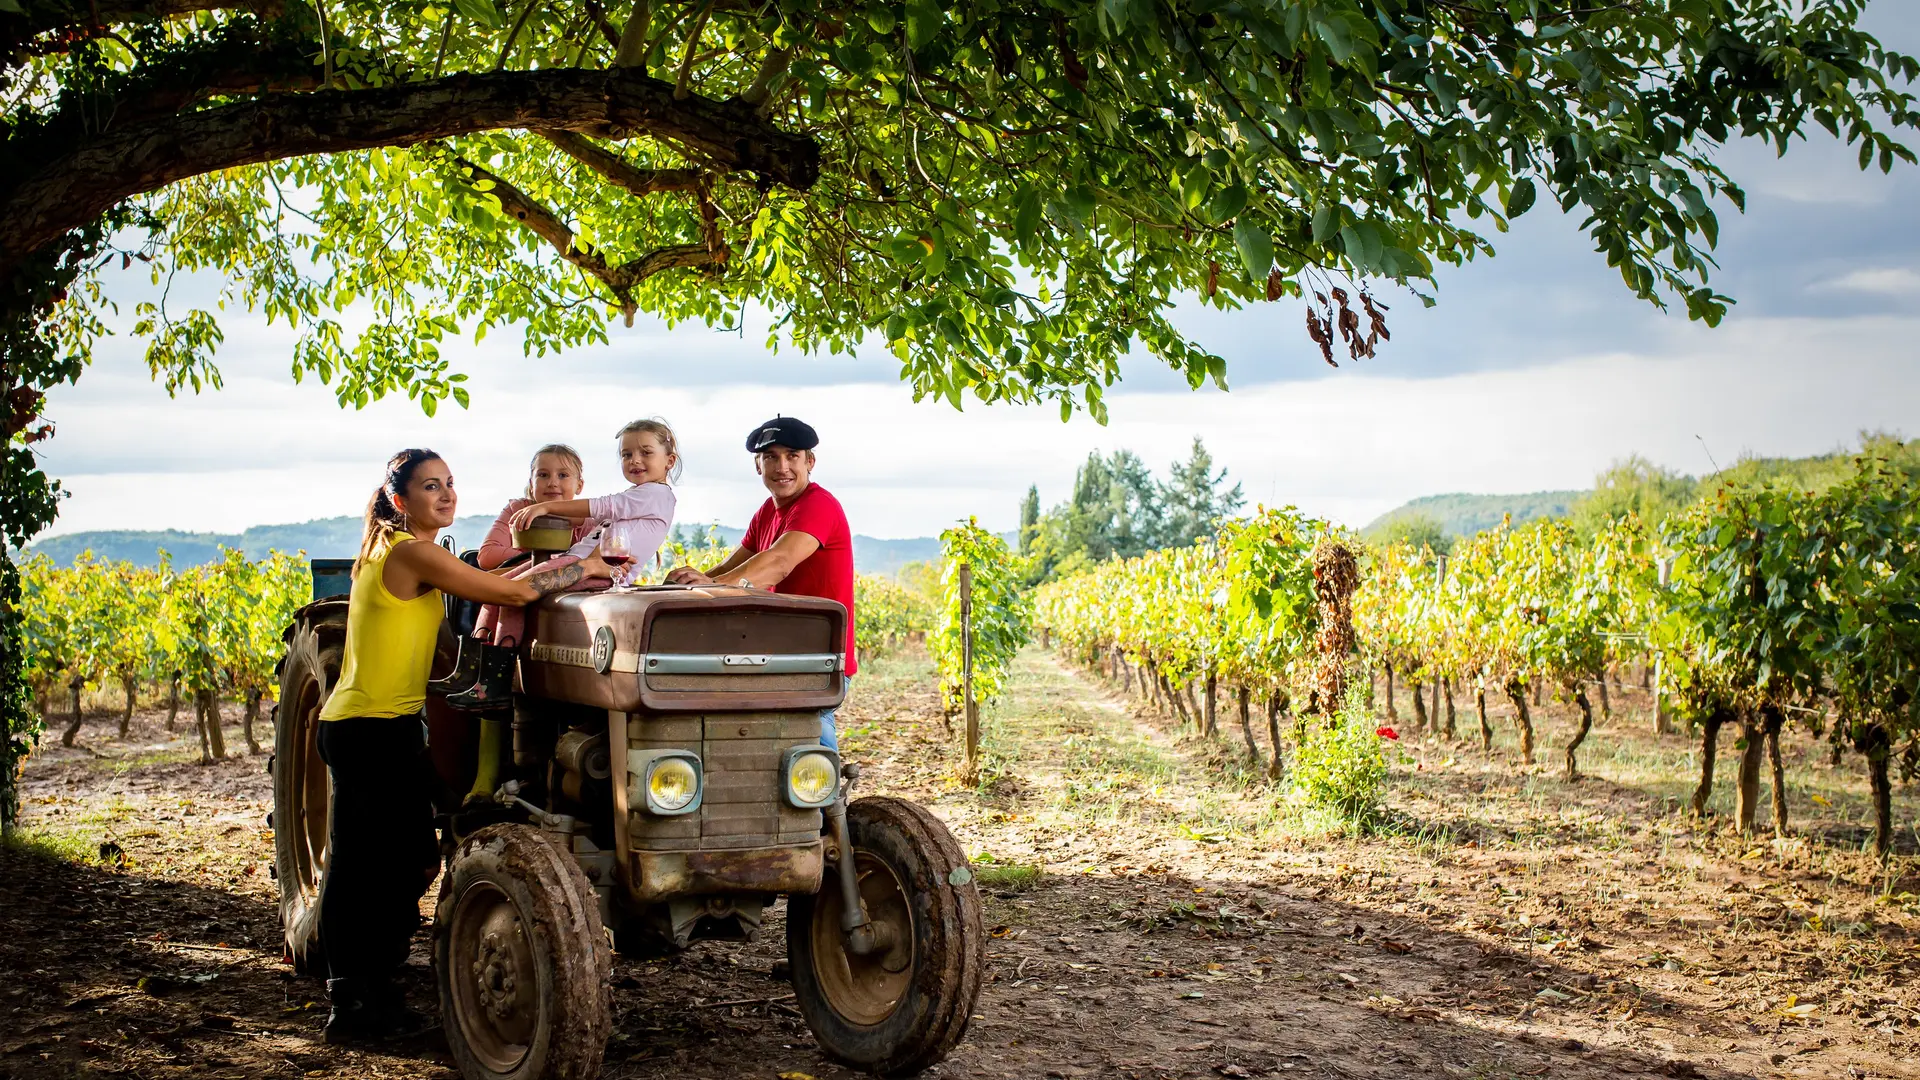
x=382 y=853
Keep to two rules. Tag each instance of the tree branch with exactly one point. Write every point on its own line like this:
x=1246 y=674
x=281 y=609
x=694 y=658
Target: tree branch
x=617 y=171
x=620 y=280
x=79 y=20
x=62 y=191
x=631 y=49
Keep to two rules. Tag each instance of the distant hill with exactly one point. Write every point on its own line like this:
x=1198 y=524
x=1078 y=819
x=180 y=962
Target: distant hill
x=339 y=537
x=1461 y=514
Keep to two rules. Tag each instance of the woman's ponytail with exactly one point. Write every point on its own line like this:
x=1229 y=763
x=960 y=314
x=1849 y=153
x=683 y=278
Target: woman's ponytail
x=384 y=516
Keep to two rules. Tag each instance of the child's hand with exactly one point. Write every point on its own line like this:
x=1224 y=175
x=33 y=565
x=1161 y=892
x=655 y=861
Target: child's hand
x=523 y=518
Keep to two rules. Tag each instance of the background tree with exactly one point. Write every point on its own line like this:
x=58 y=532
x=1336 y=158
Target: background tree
x=1029 y=518
x=1012 y=195
x=1415 y=530
x=1196 y=498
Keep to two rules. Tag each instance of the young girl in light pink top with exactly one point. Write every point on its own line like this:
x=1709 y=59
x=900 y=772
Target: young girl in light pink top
x=643 y=513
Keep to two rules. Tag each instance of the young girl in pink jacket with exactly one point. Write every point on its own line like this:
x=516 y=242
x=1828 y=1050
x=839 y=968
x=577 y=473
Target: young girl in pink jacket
x=644 y=515
x=554 y=475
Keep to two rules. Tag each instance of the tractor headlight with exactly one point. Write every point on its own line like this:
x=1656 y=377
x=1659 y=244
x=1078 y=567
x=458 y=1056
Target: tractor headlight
x=666 y=782
x=812 y=776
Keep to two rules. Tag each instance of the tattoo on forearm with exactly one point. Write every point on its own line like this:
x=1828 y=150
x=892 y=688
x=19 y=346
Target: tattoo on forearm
x=552 y=581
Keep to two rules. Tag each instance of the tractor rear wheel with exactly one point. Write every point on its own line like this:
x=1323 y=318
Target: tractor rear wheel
x=302 y=790
x=522 y=960
x=903 y=1007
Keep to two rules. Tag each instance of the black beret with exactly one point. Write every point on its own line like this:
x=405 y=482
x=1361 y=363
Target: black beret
x=782 y=431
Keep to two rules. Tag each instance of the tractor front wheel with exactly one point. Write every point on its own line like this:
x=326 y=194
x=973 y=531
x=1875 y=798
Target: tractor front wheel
x=522 y=961
x=902 y=1007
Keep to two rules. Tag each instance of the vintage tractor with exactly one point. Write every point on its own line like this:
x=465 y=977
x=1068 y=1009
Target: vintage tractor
x=668 y=785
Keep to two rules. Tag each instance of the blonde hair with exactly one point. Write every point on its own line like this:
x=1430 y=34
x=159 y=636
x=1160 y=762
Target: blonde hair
x=657 y=428
x=559 y=450
x=384 y=516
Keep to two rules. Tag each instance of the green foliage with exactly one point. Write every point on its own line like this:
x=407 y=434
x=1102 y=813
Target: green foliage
x=890 y=614
x=1341 y=765
x=1010 y=228
x=219 y=625
x=1239 y=606
x=1001 y=613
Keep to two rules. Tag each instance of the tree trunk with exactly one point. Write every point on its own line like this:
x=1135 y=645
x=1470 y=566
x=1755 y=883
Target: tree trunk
x=1393 y=712
x=200 y=726
x=1486 y=729
x=1833 y=759
x=73 y=701
x=1213 y=700
x=131 y=687
x=1580 y=736
x=1877 y=746
x=1709 y=749
x=1518 y=692
x=1753 y=752
x=1369 y=689
x=1275 y=703
x=1419 y=708
x=1179 y=706
x=1452 y=734
x=213 y=741
x=1606 y=705
x=1774 y=719
x=1246 y=724
x=1537 y=687
x=247 y=718
x=1434 y=712
x=1193 y=703
x=173 y=701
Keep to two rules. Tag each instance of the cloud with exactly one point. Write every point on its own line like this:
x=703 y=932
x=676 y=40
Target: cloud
x=1890 y=281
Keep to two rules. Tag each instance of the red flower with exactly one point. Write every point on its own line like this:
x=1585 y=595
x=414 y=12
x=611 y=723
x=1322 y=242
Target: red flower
x=1386 y=733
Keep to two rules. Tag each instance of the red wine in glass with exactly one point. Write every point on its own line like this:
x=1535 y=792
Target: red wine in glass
x=616 y=560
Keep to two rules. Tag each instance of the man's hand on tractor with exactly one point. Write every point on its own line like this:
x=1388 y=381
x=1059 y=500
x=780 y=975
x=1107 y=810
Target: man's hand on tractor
x=687 y=575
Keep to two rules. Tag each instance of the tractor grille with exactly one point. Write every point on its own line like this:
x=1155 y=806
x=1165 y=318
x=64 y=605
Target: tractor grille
x=742 y=805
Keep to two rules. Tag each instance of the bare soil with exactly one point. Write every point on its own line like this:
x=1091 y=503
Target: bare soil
x=1158 y=910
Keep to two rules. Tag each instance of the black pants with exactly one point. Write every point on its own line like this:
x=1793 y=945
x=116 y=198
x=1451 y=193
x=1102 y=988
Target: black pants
x=382 y=852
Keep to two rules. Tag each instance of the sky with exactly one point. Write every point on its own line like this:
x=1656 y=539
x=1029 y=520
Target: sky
x=1535 y=370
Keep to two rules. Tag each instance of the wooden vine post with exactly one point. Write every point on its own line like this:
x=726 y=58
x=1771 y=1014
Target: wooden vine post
x=1661 y=724
x=971 y=706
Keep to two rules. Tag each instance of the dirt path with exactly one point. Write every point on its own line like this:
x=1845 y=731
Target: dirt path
x=1184 y=921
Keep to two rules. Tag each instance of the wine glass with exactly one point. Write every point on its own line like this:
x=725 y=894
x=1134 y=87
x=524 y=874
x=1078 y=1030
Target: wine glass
x=616 y=548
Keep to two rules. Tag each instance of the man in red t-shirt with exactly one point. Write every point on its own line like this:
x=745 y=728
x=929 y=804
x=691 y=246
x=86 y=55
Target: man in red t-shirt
x=798 y=541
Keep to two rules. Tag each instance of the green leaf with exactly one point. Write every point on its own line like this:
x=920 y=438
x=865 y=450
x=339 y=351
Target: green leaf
x=1256 y=248
x=1520 y=200
x=1193 y=188
x=924 y=23
x=1227 y=203
x=479 y=11
x=1327 y=220
x=1339 y=38
x=1026 y=216
x=882 y=19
